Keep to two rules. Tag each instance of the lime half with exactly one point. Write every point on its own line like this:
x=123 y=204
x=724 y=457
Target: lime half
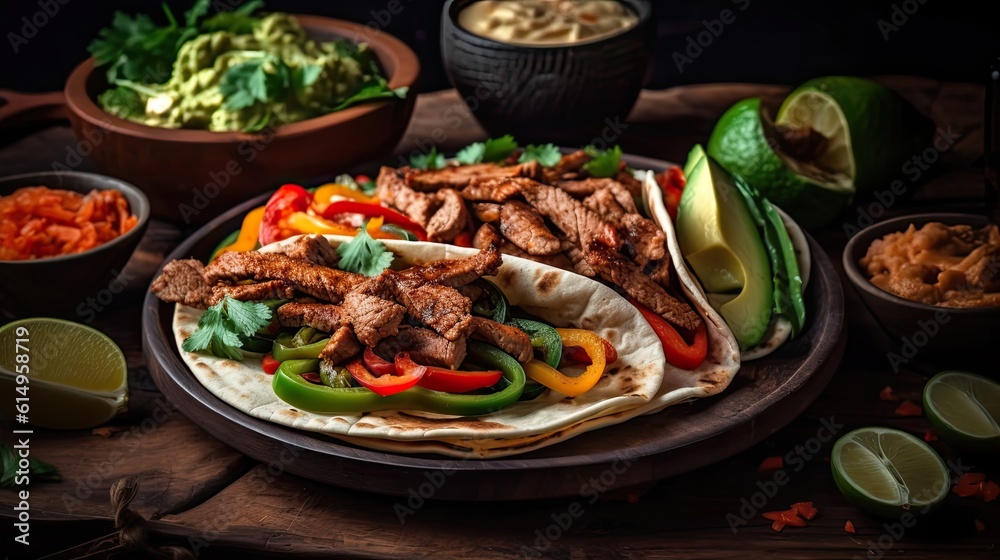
x=785 y=170
x=965 y=409
x=76 y=376
x=888 y=472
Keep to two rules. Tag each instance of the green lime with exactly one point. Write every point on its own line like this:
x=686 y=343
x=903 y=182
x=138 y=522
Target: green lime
x=870 y=130
x=746 y=143
x=888 y=472
x=965 y=409
x=76 y=376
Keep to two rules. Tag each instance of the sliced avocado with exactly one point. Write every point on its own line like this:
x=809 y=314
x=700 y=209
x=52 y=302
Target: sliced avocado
x=694 y=156
x=720 y=240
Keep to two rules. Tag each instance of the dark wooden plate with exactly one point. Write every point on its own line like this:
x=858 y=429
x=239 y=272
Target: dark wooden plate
x=766 y=395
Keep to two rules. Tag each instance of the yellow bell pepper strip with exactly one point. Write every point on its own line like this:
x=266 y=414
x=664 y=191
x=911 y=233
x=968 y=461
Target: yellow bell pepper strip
x=284 y=202
x=323 y=196
x=564 y=384
x=249 y=233
x=303 y=222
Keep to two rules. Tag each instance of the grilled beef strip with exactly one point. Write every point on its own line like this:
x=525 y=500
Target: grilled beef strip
x=497 y=190
x=318 y=281
x=315 y=249
x=458 y=272
x=325 y=317
x=580 y=225
x=660 y=272
x=603 y=203
x=342 y=345
x=511 y=340
x=391 y=188
x=618 y=270
x=425 y=347
x=442 y=308
x=487 y=234
x=631 y=184
x=372 y=318
x=569 y=164
x=450 y=218
x=486 y=211
x=577 y=259
x=183 y=281
x=459 y=176
x=526 y=228
x=270 y=289
x=581 y=188
x=642 y=239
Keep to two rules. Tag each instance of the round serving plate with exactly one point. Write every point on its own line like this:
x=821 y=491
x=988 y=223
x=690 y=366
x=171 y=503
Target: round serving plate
x=764 y=396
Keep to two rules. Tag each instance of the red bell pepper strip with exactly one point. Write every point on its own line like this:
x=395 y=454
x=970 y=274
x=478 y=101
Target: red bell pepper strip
x=446 y=380
x=580 y=356
x=285 y=201
x=384 y=385
x=269 y=364
x=312 y=377
x=672 y=182
x=377 y=365
x=788 y=517
x=805 y=509
x=371 y=211
x=675 y=348
x=464 y=239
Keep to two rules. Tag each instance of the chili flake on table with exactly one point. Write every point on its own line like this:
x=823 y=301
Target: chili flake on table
x=39 y=222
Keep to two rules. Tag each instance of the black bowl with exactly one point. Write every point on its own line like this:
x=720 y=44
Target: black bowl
x=950 y=337
x=60 y=286
x=567 y=93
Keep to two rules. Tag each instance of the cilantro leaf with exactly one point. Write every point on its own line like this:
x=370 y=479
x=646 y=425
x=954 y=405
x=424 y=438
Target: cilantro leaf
x=305 y=76
x=364 y=255
x=605 y=163
x=545 y=154
x=430 y=160
x=122 y=102
x=37 y=470
x=221 y=325
x=374 y=90
x=471 y=154
x=238 y=21
x=263 y=79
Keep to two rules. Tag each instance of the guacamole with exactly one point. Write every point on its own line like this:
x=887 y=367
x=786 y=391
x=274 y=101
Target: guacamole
x=269 y=73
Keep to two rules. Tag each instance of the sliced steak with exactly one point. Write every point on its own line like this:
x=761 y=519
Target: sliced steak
x=372 y=318
x=315 y=249
x=485 y=236
x=458 y=272
x=183 y=281
x=660 y=272
x=603 y=203
x=325 y=317
x=342 y=345
x=391 y=188
x=624 y=273
x=318 y=281
x=569 y=164
x=425 y=347
x=579 y=225
x=450 y=218
x=511 y=340
x=526 y=228
x=486 y=211
x=497 y=190
x=643 y=240
x=581 y=188
x=271 y=289
x=459 y=176
x=631 y=184
x=441 y=308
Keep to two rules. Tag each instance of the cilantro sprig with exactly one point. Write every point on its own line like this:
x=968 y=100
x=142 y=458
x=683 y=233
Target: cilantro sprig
x=37 y=470
x=430 y=160
x=220 y=327
x=604 y=163
x=492 y=150
x=364 y=254
x=545 y=154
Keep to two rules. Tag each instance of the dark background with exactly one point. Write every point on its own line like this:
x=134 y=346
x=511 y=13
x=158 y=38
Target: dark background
x=779 y=41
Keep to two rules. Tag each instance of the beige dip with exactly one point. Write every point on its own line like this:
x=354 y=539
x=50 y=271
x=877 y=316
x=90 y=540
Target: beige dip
x=546 y=22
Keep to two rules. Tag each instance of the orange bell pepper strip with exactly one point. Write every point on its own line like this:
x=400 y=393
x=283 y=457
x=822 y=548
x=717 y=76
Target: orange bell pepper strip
x=324 y=195
x=249 y=233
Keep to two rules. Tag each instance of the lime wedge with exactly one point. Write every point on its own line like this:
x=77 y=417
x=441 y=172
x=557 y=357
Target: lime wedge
x=965 y=409
x=888 y=472
x=76 y=376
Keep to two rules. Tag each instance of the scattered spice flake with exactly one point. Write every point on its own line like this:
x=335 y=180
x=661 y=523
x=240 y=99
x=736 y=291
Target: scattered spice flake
x=888 y=394
x=773 y=463
x=969 y=484
x=108 y=431
x=805 y=509
x=979 y=526
x=989 y=490
x=907 y=408
x=930 y=435
x=849 y=527
x=777 y=526
x=788 y=517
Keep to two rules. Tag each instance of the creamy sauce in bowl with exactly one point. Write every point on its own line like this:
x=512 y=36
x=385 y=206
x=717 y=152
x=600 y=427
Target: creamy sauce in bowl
x=546 y=22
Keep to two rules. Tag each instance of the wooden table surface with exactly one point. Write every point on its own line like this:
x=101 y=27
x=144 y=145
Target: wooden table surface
x=198 y=493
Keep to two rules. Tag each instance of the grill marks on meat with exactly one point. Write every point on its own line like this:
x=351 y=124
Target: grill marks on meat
x=510 y=339
x=441 y=308
x=458 y=177
x=342 y=345
x=580 y=225
x=318 y=281
x=497 y=190
x=315 y=249
x=424 y=345
x=325 y=317
x=372 y=318
x=487 y=234
x=450 y=218
x=392 y=189
x=183 y=281
x=526 y=228
x=452 y=272
x=616 y=269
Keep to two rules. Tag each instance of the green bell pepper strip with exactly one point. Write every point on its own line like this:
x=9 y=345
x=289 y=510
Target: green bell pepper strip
x=290 y=387
x=337 y=377
x=282 y=349
x=542 y=336
x=532 y=390
x=256 y=344
x=306 y=336
x=493 y=303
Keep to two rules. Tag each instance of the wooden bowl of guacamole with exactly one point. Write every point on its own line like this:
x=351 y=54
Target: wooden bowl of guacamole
x=191 y=175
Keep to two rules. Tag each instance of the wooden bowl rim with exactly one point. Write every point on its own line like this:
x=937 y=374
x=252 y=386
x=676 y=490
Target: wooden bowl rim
x=390 y=51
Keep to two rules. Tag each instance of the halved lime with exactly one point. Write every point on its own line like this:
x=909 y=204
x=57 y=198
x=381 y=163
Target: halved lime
x=870 y=130
x=76 y=376
x=747 y=144
x=888 y=472
x=965 y=409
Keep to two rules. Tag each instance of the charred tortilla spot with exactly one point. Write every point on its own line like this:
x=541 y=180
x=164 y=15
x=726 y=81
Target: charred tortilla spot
x=505 y=277
x=411 y=421
x=365 y=425
x=548 y=283
x=611 y=371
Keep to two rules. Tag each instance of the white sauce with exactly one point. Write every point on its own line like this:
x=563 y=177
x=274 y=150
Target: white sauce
x=546 y=22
